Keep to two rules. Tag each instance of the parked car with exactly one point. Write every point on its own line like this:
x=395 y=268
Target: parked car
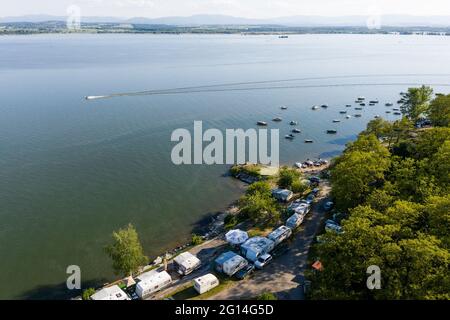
x=328 y=205
x=263 y=260
x=245 y=272
x=329 y=221
x=314 y=179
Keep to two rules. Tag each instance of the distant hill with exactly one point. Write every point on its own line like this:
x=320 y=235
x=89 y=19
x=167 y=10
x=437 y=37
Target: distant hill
x=294 y=21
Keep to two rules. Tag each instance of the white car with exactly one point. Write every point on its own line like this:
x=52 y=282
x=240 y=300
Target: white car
x=263 y=261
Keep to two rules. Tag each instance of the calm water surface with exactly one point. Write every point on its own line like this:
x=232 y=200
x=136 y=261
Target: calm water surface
x=72 y=171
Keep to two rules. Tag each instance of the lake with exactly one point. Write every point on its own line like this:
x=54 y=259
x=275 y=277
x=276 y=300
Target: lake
x=72 y=171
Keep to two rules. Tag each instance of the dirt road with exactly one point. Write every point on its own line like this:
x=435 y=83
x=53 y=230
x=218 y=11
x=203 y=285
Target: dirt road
x=284 y=276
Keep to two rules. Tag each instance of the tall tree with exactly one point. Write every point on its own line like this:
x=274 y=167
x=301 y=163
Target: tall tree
x=416 y=102
x=126 y=251
x=439 y=112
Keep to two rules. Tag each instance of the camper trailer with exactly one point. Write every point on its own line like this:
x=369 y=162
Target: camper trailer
x=151 y=282
x=294 y=221
x=255 y=247
x=230 y=263
x=110 y=293
x=280 y=234
x=186 y=262
x=282 y=195
x=205 y=283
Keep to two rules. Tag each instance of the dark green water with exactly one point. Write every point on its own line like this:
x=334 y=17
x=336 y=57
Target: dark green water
x=72 y=171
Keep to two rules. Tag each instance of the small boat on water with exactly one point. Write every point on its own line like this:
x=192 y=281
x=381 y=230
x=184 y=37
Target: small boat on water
x=361 y=98
x=371 y=104
x=336 y=120
x=348 y=116
x=331 y=131
x=358 y=108
x=296 y=131
x=283 y=108
x=93 y=97
x=388 y=111
x=324 y=106
x=348 y=105
x=377 y=116
x=283 y=37
x=398 y=113
x=389 y=104
x=362 y=104
x=315 y=107
x=298 y=165
x=293 y=123
x=289 y=136
x=400 y=101
x=308 y=141
x=261 y=123
x=277 y=119
x=343 y=112
x=374 y=101
x=358 y=115
x=396 y=109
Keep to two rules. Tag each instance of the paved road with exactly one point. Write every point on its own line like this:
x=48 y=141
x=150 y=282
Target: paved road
x=285 y=274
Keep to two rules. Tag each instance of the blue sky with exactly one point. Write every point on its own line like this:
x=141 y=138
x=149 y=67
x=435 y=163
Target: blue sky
x=241 y=8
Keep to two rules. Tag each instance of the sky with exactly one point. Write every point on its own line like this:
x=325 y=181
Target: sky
x=238 y=8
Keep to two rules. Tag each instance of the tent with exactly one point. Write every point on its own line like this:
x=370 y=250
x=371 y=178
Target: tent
x=236 y=236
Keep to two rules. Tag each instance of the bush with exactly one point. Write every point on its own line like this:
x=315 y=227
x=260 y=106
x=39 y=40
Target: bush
x=86 y=295
x=287 y=177
x=298 y=187
x=230 y=221
x=267 y=296
x=196 y=239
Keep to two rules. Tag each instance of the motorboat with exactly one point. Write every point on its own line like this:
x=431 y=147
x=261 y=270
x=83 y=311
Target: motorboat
x=296 y=131
x=315 y=107
x=277 y=119
x=293 y=123
x=331 y=131
x=336 y=120
x=261 y=123
x=308 y=141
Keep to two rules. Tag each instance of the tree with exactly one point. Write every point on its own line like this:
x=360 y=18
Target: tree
x=437 y=211
x=259 y=207
x=439 y=112
x=287 y=177
x=416 y=102
x=86 y=295
x=429 y=142
x=379 y=127
x=355 y=175
x=262 y=187
x=126 y=251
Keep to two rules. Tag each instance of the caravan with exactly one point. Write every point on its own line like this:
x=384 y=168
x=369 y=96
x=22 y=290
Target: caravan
x=151 y=282
x=254 y=247
x=230 y=263
x=110 y=293
x=205 y=283
x=186 y=262
x=280 y=234
x=294 y=221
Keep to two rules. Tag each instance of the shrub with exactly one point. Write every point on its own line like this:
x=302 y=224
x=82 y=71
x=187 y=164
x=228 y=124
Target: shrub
x=267 y=296
x=86 y=295
x=196 y=239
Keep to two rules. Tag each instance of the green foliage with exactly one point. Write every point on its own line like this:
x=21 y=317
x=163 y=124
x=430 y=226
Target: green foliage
x=126 y=251
x=417 y=102
x=398 y=219
x=439 y=112
x=259 y=207
x=87 y=293
x=287 y=177
x=262 y=187
x=196 y=239
x=267 y=296
x=357 y=172
x=379 y=127
x=299 y=187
